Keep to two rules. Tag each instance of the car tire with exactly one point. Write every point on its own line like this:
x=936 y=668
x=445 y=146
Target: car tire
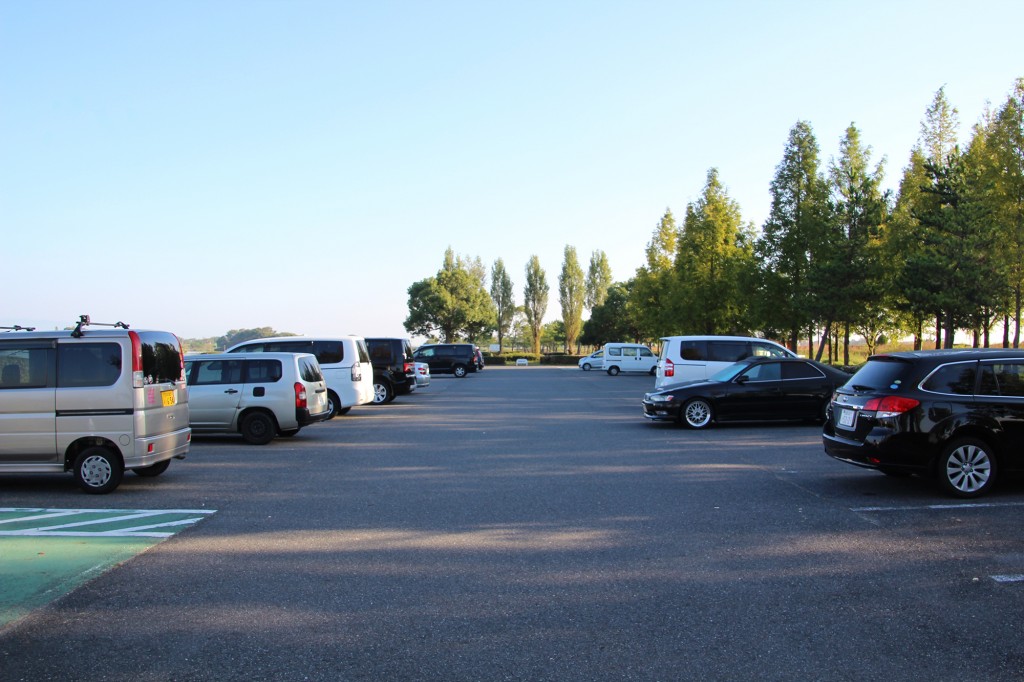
x=586 y=366
x=613 y=370
x=258 y=428
x=98 y=470
x=383 y=393
x=697 y=413
x=459 y=371
x=333 y=405
x=967 y=468
x=152 y=470
x=653 y=371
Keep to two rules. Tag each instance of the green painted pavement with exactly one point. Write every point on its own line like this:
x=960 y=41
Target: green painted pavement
x=46 y=553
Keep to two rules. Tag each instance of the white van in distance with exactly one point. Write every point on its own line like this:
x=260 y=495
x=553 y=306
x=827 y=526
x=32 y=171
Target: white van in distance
x=695 y=358
x=628 y=357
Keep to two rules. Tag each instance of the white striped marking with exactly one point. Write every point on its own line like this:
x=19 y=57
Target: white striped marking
x=146 y=530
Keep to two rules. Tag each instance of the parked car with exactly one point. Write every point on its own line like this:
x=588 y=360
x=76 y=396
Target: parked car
x=448 y=358
x=695 y=358
x=422 y=374
x=591 y=361
x=259 y=395
x=957 y=415
x=93 y=402
x=628 y=357
x=393 y=372
x=754 y=389
x=344 y=362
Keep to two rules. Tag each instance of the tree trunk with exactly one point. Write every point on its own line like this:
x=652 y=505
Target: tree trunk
x=846 y=345
x=938 y=330
x=825 y=335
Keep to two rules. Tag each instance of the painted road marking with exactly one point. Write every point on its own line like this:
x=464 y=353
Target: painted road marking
x=933 y=507
x=46 y=553
x=15 y=522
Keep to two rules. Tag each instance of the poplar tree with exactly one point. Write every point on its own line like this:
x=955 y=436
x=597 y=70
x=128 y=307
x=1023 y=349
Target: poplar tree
x=651 y=303
x=503 y=295
x=535 y=300
x=715 y=250
x=572 y=292
x=599 y=278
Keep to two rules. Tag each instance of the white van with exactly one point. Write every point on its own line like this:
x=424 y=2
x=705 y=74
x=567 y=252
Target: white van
x=92 y=401
x=628 y=357
x=344 y=361
x=695 y=358
x=259 y=395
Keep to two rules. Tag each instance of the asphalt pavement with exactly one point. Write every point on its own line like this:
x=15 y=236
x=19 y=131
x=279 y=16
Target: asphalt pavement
x=529 y=524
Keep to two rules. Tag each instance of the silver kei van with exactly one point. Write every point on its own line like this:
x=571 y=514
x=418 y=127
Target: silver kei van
x=93 y=402
x=259 y=395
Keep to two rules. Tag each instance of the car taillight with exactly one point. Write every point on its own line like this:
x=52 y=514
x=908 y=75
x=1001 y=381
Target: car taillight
x=670 y=368
x=357 y=372
x=138 y=379
x=408 y=368
x=890 y=405
x=300 y=395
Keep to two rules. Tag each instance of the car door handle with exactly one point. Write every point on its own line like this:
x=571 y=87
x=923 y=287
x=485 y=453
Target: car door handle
x=231 y=390
x=321 y=390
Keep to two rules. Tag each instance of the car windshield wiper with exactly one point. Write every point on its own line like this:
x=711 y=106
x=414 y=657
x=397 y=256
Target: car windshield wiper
x=862 y=387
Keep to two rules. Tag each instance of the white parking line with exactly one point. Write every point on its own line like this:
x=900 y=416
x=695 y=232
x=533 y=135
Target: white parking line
x=936 y=507
x=94 y=517
x=1018 y=578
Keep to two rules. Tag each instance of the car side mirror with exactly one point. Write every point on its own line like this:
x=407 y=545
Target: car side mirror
x=742 y=379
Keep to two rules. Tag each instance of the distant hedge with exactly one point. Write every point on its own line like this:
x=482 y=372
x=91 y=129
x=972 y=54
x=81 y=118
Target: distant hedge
x=560 y=359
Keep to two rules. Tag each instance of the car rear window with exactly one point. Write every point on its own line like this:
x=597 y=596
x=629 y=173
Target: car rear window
x=881 y=374
x=956 y=379
x=309 y=370
x=161 y=357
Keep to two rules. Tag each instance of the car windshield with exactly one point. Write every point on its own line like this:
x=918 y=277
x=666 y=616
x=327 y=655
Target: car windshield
x=729 y=373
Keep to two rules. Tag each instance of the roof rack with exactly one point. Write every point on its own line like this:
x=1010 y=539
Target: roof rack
x=84 y=320
x=18 y=328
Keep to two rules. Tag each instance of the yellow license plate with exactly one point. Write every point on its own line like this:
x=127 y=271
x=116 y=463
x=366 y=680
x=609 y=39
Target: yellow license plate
x=169 y=398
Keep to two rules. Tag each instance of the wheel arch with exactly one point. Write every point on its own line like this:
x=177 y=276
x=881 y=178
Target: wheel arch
x=81 y=444
x=251 y=410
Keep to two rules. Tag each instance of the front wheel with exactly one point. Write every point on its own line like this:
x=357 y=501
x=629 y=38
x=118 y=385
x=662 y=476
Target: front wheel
x=152 y=469
x=967 y=468
x=613 y=370
x=459 y=371
x=98 y=470
x=258 y=428
x=697 y=413
x=586 y=366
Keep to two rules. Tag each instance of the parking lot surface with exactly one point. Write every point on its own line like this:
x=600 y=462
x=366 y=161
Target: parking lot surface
x=529 y=524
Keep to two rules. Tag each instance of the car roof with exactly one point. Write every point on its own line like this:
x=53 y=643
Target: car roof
x=952 y=354
x=277 y=355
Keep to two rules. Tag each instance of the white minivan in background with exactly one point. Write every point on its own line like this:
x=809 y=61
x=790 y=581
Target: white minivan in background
x=695 y=358
x=93 y=402
x=628 y=357
x=344 y=361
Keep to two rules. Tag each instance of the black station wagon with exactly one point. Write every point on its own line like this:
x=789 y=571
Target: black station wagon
x=957 y=415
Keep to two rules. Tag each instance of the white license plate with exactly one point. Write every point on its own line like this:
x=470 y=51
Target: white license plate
x=847 y=417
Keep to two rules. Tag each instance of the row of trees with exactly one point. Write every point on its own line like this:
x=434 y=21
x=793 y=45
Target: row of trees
x=837 y=256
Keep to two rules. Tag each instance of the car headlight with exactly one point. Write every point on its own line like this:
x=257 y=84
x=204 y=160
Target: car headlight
x=660 y=397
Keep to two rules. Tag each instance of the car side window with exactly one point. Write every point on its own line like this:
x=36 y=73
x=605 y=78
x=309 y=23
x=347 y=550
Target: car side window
x=1003 y=379
x=800 y=370
x=768 y=350
x=728 y=351
x=956 y=379
x=216 y=372
x=646 y=353
x=629 y=352
x=767 y=371
x=262 y=371
x=24 y=366
x=693 y=350
x=615 y=352
x=329 y=352
x=88 y=364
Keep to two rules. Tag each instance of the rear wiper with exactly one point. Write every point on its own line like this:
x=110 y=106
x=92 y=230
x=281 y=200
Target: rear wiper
x=861 y=387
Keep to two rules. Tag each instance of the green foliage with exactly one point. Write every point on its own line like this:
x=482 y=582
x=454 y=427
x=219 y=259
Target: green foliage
x=504 y=299
x=454 y=303
x=599 y=278
x=651 y=304
x=239 y=335
x=572 y=293
x=535 y=299
x=611 y=320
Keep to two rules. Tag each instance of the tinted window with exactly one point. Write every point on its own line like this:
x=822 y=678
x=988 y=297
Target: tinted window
x=25 y=365
x=646 y=353
x=615 y=352
x=309 y=370
x=728 y=351
x=364 y=354
x=800 y=370
x=767 y=371
x=379 y=350
x=262 y=371
x=768 y=350
x=329 y=352
x=161 y=357
x=1004 y=378
x=288 y=346
x=693 y=350
x=957 y=378
x=425 y=353
x=881 y=374
x=208 y=372
x=90 y=364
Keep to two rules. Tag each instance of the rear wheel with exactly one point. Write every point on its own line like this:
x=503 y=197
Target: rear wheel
x=967 y=468
x=383 y=393
x=98 y=470
x=258 y=428
x=152 y=469
x=333 y=405
x=697 y=413
x=459 y=371
x=653 y=371
x=613 y=370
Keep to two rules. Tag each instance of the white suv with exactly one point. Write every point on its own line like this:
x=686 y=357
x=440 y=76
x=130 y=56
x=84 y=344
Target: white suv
x=344 y=361
x=259 y=395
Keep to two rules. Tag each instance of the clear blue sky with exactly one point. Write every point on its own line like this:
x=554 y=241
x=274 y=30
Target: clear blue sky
x=206 y=166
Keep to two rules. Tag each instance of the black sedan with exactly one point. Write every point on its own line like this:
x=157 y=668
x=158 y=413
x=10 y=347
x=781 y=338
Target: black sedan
x=754 y=389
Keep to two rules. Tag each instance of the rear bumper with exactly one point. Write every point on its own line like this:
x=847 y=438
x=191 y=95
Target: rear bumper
x=156 y=449
x=881 y=450
x=304 y=418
